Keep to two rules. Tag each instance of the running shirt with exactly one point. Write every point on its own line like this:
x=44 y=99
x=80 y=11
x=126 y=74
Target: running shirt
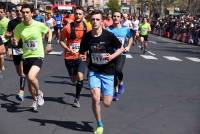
x=143 y=28
x=122 y=33
x=39 y=18
x=99 y=47
x=3 y=25
x=50 y=24
x=135 y=25
x=31 y=36
x=127 y=23
x=58 y=20
x=11 y=26
x=72 y=43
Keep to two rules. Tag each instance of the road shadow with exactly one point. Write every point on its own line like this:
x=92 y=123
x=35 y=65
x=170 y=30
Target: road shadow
x=61 y=77
x=84 y=126
x=53 y=99
x=83 y=95
x=60 y=82
x=12 y=106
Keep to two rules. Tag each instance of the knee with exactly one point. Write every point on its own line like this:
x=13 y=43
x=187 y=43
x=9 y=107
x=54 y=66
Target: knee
x=31 y=78
x=107 y=103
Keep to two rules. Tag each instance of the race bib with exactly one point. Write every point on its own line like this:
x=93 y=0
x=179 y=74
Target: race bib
x=58 y=22
x=98 y=58
x=75 y=47
x=17 y=51
x=31 y=44
x=122 y=40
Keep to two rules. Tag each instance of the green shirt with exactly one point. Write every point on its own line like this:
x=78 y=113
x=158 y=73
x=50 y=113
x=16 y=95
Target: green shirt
x=144 y=28
x=3 y=25
x=31 y=36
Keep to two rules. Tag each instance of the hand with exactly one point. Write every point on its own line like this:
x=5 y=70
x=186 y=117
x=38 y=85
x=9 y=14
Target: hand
x=48 y=48
x=14 y=42
x=127 y=49
x=108 y=57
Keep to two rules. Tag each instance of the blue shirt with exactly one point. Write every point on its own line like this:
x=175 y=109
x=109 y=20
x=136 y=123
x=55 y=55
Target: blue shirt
x=122 y=33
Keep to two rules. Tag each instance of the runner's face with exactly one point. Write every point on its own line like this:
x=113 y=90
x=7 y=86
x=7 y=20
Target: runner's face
x=18 y=11
x=2 y=13
x=27 y=14
x=78 y=15
x=96 y=21
x=117 y=18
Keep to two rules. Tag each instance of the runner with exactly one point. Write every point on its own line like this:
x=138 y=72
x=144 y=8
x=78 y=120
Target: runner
x=144 y=28
x=73 y=33
x=58 y=27
x=123 y=33
x=135 y=23
x=102 y=48
x=16 y=52
x=3 y=27
x=31 y=33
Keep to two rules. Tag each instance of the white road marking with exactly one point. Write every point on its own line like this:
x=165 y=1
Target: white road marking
x=153 y=42
x=193 y=59
x=55 y=52
x=172 y=58
x=149 y=57
x=129 y=56
x=151 y=53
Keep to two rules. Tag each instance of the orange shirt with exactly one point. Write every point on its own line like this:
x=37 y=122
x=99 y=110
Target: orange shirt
x=72 y=43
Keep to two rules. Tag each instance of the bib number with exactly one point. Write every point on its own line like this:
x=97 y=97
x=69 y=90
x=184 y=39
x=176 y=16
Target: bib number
x=75 y=47
x=98 y=58
x=31 y=44
x=17 y=51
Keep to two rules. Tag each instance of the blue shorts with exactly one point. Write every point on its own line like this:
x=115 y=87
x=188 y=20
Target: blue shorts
x=102 y=81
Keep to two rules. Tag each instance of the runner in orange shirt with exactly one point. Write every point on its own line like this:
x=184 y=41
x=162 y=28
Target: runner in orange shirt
x=70 y=39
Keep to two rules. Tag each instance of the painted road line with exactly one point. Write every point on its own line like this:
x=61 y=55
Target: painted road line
x=193 y=59
x=129 y=56
x=55 y=52
x=151 y=53
x=153 y=42
x=172 y=58
x=149 y=57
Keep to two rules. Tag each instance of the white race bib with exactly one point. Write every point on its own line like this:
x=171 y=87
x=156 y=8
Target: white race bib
x=17 y=51
x=31 y=44
x=98 y=58
x=75 y=47
x=122 y=40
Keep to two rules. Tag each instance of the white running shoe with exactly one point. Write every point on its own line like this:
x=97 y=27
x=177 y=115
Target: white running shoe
x=40 y=99
x=34 y=105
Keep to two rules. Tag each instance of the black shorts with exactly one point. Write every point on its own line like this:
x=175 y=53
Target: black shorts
x=17 y=59
x=29 y=62
x=72 y=66
x=145 y=37
x=82 y=67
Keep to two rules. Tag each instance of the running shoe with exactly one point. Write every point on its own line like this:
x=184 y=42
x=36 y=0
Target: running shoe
x=76 y=103
x=20 y=95
x=99 y=130
x=116 y=96
x=34 y=105
x=40 y=99
x=121 y=89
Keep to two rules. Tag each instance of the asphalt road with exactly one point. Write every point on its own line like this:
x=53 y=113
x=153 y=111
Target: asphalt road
x=161 y=97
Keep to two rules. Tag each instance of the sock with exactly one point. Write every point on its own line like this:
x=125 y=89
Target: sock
x=79 y=86
x=22 y=82
x=99 y=123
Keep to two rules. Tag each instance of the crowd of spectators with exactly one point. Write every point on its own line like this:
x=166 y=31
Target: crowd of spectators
x=181 y=28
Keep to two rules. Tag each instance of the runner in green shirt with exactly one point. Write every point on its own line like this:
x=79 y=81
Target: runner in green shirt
x=3 y=28
x=31 y=33
x=144 y=29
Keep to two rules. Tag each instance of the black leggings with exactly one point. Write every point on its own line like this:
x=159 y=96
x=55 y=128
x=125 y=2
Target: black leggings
x=120 y=61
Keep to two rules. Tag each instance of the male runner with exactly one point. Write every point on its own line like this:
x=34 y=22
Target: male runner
x=31 y=33
x=16 y=52
x=123 y=33
x=73 y=33
x=102 y=48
